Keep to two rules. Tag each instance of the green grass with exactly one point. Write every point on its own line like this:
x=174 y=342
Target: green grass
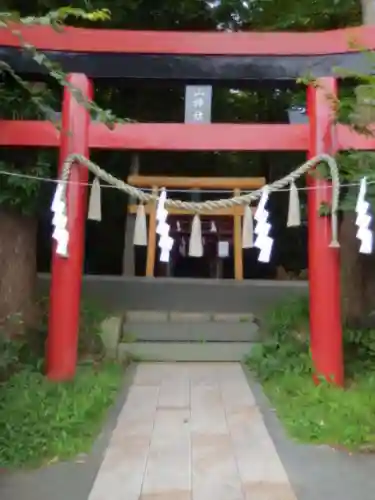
x=325 y=414
x=43 y=422
x=343 y=418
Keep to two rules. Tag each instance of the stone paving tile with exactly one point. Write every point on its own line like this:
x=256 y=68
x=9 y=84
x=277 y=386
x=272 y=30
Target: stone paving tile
x=122 y=471
x=202 y=374
x=168 y=466
x=169 y=461
x=174 y=393
x=191 y=431
x=151 y=373
x=268 y=491
x=236 y=396
x=170 y=495
x=171 y=424
x=207 y=412
x=154 y=373
x=137 y=416
x=253 y=448
x=214 y=468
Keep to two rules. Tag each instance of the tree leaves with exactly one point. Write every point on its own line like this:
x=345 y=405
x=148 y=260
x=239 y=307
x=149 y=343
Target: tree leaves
x=16 y=191
x=187 y=14
x=269 y=15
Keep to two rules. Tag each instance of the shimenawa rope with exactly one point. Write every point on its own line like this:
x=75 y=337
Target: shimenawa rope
x=244 y=199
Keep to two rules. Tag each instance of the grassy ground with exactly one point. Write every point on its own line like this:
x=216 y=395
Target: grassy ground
x=343 y=419
x=42 y=422
x=310 y=413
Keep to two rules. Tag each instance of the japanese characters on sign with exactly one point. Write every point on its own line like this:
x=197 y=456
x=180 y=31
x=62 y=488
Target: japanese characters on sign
x=198 y=104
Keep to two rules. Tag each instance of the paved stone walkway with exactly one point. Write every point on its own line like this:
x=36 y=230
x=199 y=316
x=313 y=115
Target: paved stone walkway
x=191 y=431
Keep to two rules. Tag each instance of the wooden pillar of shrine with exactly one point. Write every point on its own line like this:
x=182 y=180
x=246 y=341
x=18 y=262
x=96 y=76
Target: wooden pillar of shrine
x=128 y=260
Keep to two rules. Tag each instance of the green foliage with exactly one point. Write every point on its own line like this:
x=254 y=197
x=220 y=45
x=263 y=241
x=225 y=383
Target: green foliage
x=63 y=13
x=325 y=414
x=310 y=413
x=29 y=350
x=55 y=18
x=9 y=356
x=356 y=109
x=192 y=15
x=33 y=101
x=92 y=315
x=359 y=349
x=43 y=422
x=286 y=347
x=302 y=16
x=16 y=192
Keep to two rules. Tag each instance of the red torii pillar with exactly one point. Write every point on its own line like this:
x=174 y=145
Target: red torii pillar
x=66 y=280
x=324 y=264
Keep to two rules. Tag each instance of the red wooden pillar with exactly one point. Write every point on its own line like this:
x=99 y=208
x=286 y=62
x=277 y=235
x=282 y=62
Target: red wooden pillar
x=324 y=265
x=67 y=272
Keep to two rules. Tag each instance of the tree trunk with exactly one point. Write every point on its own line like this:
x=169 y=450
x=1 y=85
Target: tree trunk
x=357 y=277
x=351 y=272
x=358 y=271
x=18 y=307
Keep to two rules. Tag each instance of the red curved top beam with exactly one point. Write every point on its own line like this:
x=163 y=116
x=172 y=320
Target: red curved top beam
x=163 y=42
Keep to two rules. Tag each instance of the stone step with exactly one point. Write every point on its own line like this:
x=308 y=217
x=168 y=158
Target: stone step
x=184 y=351
x=150 y=316
x=175 y=326
x=190 y=332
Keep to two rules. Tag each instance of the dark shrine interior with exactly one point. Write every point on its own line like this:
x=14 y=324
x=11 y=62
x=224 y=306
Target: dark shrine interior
x=156 y=102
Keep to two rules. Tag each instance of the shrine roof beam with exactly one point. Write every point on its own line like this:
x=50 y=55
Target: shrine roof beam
x=181 y=137
x=193 y=43
x=195 y=57
x=193 y=68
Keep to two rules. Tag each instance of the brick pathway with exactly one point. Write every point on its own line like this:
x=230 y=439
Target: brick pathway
x=191 y=431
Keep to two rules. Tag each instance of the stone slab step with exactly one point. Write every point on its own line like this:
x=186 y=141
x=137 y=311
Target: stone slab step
x=190 y=332
x=184 y=351
x=148 y=316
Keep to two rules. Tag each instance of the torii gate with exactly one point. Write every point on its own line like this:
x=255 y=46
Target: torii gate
x=201 y=57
